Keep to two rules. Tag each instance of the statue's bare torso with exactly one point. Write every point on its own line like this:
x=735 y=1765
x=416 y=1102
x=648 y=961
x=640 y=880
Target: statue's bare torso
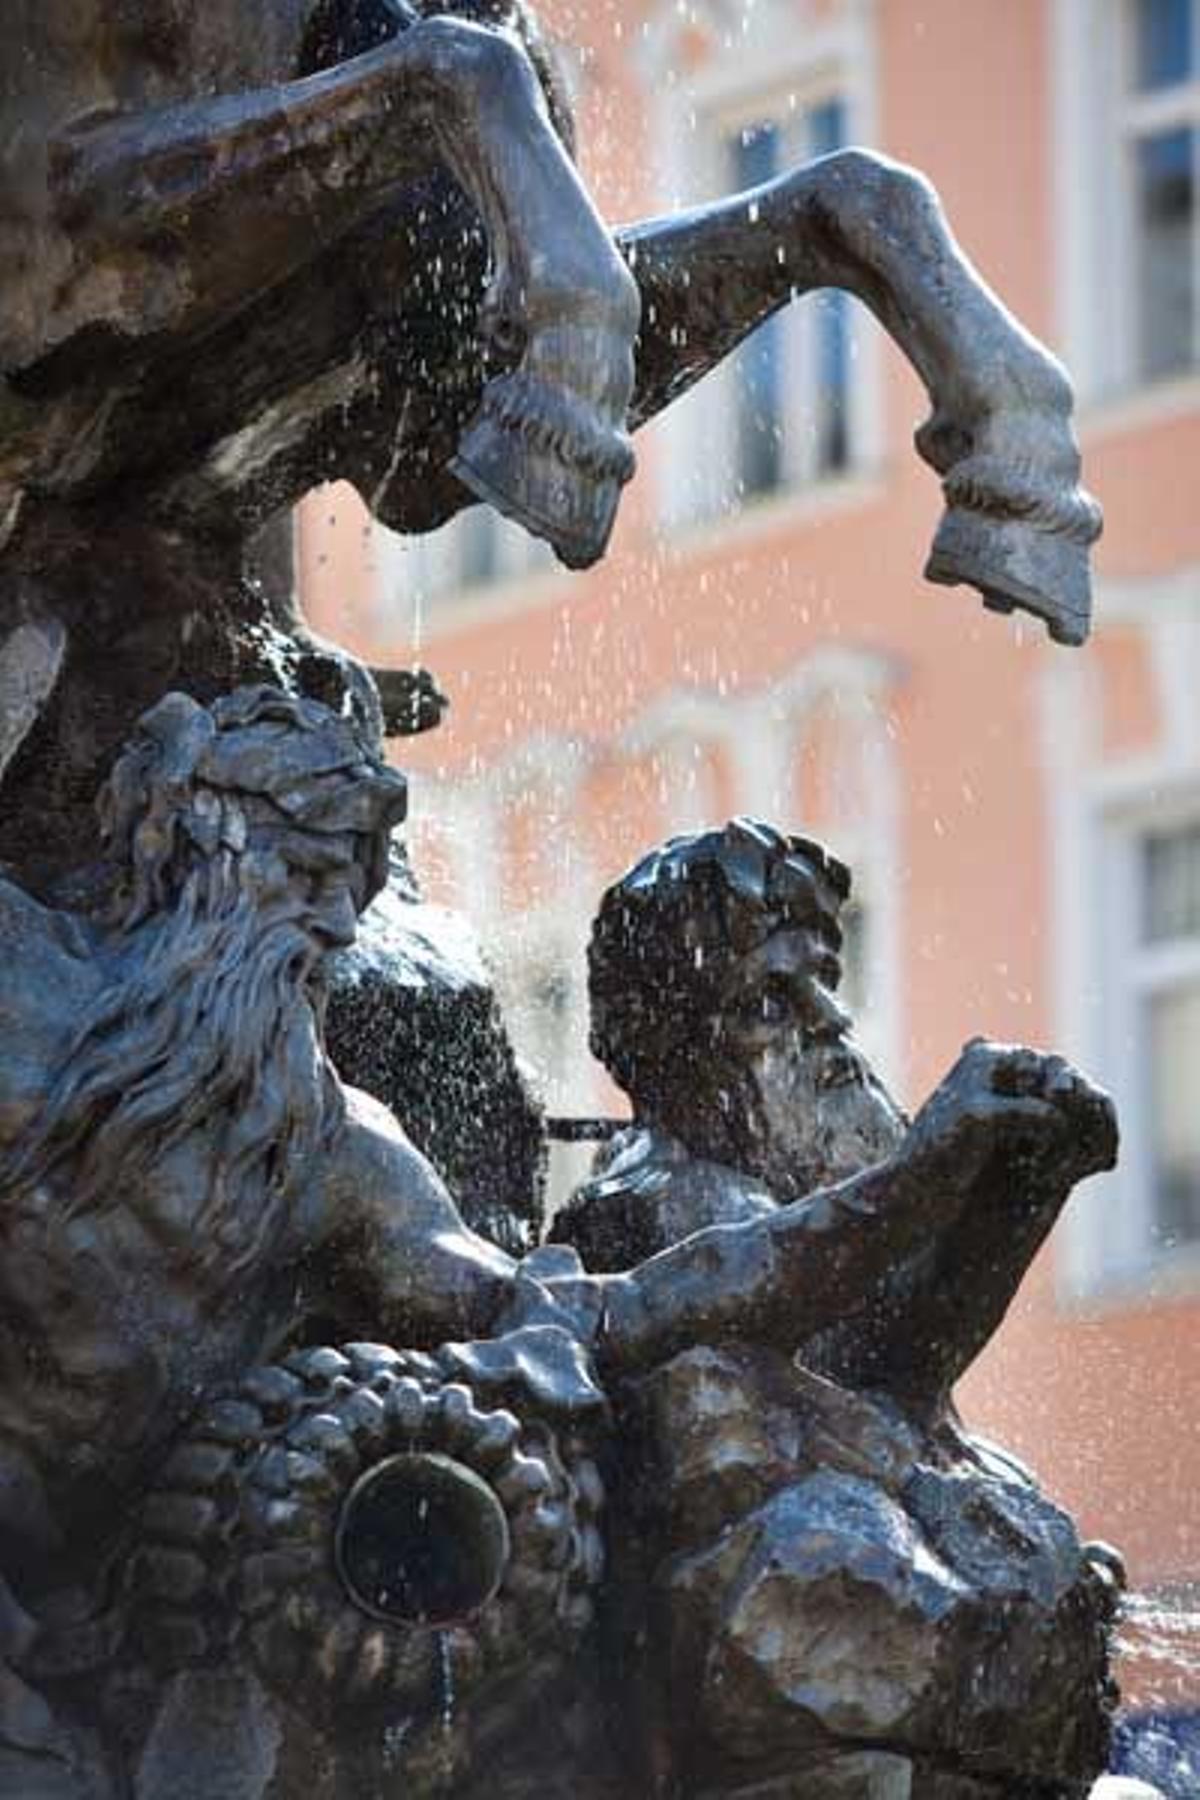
x=116 y=1322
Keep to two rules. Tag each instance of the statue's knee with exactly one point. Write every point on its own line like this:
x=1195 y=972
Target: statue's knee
x=473 y=62
x=862 y=189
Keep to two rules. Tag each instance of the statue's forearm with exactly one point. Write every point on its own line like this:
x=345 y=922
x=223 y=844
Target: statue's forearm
x=933 y=1319
x=778 y=1279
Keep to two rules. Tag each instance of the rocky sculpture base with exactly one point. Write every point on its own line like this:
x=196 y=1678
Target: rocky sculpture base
x=844 y=1605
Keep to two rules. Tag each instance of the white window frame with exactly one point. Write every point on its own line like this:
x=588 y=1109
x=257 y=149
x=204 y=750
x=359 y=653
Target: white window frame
x=1099 y=810
x=1130 y=1252
x=1097 y=115
x=773 y=64
x=760 y=733
x=422 y=581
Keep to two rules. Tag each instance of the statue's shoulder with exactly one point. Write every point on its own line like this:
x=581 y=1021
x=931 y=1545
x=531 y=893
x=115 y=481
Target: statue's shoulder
x=649 y=1191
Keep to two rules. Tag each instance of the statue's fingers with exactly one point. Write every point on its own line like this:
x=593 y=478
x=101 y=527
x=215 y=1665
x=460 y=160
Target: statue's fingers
x=1018 y=1071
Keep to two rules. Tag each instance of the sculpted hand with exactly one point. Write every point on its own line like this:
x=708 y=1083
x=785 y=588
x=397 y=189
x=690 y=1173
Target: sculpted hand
x=543 y=1338
x=1002 y=1099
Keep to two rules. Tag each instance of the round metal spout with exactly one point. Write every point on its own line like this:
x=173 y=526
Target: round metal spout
x=421 y=1539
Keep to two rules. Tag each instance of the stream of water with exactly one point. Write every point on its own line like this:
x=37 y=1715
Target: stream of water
x=1158 y=1647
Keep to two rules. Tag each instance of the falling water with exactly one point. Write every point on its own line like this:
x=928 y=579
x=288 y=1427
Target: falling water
x=447 y=1666
x=393 y=1743
x=398 y=445
x=1158 y=1642
x=417 y=624
x=1164 y=1633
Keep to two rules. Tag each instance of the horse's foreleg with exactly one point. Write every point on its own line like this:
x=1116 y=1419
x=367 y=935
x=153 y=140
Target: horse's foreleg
x=1017 y=525
x=211 y=203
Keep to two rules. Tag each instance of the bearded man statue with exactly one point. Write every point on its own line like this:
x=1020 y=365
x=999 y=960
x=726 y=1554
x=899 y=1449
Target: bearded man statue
x=188 y=1192
x=849 y=1596
x=186 y=1187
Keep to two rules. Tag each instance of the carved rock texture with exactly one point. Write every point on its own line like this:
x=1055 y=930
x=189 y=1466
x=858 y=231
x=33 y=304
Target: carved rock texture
x=827 y=1575
x=236 y=1603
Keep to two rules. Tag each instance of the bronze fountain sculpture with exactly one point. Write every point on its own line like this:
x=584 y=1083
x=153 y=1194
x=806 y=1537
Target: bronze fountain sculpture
x=307 y=1486
x=190 y=1191
x=247 y=249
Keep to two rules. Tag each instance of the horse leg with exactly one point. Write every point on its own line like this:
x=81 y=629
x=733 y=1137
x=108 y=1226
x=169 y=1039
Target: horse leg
x=216 y=201
x=1017 y=525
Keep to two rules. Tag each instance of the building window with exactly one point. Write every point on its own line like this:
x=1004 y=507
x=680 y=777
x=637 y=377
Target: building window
x=477 y=549
x=1128 y=87
x=755 y=153
x=1160 y=145
x=1143 y=1040
x=783 y=412
x=1165 y=970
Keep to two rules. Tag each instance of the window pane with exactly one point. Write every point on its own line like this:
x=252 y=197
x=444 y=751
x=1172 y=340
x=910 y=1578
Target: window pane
x=755 y=156
x=827 y=127
x=479 y=546
x=1166 y=216
x=1171 y=885
x=1163 y=46
x=1174 y=1046
x=853 y=991
x=759 y=421
x=827 y=132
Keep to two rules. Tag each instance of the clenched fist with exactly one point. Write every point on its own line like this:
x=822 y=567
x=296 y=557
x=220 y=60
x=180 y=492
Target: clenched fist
x=1004 y=1100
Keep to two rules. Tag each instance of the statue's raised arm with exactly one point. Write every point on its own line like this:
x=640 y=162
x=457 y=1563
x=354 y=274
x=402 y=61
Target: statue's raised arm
x=769 y=1189
x=844 y=1583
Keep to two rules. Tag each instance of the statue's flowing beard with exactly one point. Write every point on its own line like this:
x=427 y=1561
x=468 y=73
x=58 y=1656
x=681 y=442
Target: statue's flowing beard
x=810 y=1120
x=208 y=1026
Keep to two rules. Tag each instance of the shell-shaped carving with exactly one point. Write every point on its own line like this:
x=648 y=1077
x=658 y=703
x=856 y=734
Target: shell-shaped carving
x=362 y=1531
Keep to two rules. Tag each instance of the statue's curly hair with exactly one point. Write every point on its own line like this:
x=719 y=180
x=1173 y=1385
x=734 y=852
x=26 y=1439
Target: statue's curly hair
x=177 y=794
x=666 y=932
x=210 y=1012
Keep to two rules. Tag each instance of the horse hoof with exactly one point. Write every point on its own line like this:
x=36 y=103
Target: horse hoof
x=1016 y=563
x=571 y=510
x=548 y=445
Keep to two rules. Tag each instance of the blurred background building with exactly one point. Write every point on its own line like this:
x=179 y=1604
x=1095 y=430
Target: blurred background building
x=1023 y=821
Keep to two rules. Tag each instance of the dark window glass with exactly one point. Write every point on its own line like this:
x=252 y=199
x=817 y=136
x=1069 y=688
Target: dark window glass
x=827 y=127
x=1171 y=885
x=756 y=156
x=1166 y=252
x=827 y=132
x=1173 y=1041
x=1164 y=50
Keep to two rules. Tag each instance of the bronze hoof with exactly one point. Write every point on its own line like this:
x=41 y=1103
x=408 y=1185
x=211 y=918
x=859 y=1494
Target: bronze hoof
x=1015 y=560
x=546 y=457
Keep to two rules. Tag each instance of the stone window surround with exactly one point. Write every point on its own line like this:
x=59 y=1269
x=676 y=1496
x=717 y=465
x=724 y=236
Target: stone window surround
x=1099 y=810
x=775 y=60
x=1092 y=114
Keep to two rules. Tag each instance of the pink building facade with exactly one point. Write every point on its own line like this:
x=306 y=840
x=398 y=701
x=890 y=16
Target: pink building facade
x=1023 y=820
